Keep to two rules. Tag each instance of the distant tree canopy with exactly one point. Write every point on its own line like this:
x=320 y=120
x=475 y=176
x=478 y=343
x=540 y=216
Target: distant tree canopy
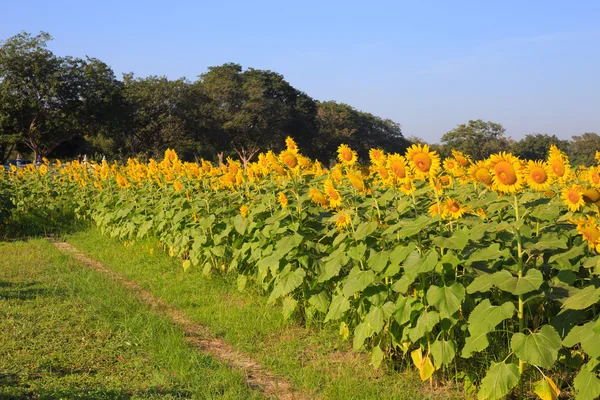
x=66 y=107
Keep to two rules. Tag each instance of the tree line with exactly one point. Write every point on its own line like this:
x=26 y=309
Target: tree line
x=53 y=106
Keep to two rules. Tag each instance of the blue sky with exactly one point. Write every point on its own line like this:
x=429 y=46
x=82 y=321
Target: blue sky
x=531 y=65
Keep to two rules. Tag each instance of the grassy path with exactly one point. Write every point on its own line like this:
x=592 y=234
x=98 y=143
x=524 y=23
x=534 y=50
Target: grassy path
x=69 y=332
x=316 y=361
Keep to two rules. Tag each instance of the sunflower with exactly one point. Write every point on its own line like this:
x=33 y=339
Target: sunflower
x=170 y=155
x=244 y=210
x=423 y=162
x=573 y=198
x=318 y=197
x=591 y=195
x=335 y=199
x=377 y=156
x=282 y=200
x=177 y=185
x=464 y=161
x=43 y=169
x=342 y=219
x=588 y=228
x=346 y=155
x=408 y=187
x=453 y=209
x=289 y=158
x=538 y=175
x=357 y=181
x=559 y=164
x=451 y=165
x=383 y=173
x=435 y=209
x=290 y=144
x=481 y=212
x=597 y=156
x=593 y=176
x=396 y=164
x=507 y=176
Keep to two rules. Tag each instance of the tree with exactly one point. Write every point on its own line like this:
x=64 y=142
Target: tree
x=582 y=149
x=536 y=146
x=255 y=110
x=477 y=138
x=162 y=114
x=340 y=123
x=47 y=100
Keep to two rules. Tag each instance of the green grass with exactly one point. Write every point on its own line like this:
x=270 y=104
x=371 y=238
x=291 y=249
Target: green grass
x=68 y=332
x=315 y=360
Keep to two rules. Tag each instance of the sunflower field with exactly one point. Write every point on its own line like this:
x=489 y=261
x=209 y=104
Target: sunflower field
x=485 y=272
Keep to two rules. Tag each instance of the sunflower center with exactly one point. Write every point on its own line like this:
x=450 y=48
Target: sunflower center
x=538 y=175
x=483 y=176
x=290 y=160
x=347 y=154
x=383 y=172
x=422 y=162
x=454 y=207
x=574 y=197
x=506 y=173
x=558 y=168
x=398 y=170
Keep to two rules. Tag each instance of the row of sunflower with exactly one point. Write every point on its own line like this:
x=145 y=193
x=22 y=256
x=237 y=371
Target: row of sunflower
x=447 y=263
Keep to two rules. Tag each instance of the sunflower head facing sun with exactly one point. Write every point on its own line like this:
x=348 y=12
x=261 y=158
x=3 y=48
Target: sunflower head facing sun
x=573 y=198
x=396 y=164
x=588 y=228
x=453 y=209
x=538 y=175
x=507 y=175
x=423 y=162
x=346 y=155
x=480 y=173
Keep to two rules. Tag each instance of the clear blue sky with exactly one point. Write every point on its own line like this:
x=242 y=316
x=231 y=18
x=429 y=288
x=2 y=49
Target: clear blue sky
x=531 y=65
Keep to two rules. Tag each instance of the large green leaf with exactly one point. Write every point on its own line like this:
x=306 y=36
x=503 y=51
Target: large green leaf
x=540 y=348
x=403 y=309
x=365 y=229
x=286 y=282
x=339 y=305
x=415 y=226
x=330 y=269
x=532 y=280
x=582 y=299
x=357 y=281
x=587 y=384
x=378 y=315
x=446 y=299
x=491 y=252
x=482 y=283
x=443 y=352
x=475 y=343
x=457 y=241
x=288 y=243
x=585 y=335
x=415 y=264
x=499 y=381
x=378 y=260
x=426 y=322
x=485 y=316
x=362 y=332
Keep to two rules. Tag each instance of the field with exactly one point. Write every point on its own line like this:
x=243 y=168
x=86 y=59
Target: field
x=480 y=277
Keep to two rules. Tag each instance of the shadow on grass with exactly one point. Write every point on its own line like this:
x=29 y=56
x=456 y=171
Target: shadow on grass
x=25 y=291
x=35 y=224
x=90 y=394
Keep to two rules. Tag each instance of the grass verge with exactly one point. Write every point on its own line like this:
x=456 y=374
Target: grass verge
x=315 y=360
x=68 y=332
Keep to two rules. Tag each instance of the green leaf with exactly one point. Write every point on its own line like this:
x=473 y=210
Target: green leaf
x=499 y=381
x=240 y=223
x=582 y=299
x=400 y=253
x=546 y=389
x=426 y=322
x=357 y=281
x=415 y=226
x=482 y=283
x=446 y=299
x=475 y=343
x=539 y=348
x=362 y=332
x=186 y=265
x=357 y=252
x=378 y=315
x=286 y=282
x=585 y=335
x=289 y=305
x=485 y=316
x=320 y=301
x=365 y=229
x=457 y=241
x=532 y=280
x=587 y=384
x=376 y=357
x=443 y=352
x=330 y=269
x=415 y=264
x=491 y=252
x=547 y=242
x=378 y=260
x=288 y=243
x=403 y=309
x=339 y=305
